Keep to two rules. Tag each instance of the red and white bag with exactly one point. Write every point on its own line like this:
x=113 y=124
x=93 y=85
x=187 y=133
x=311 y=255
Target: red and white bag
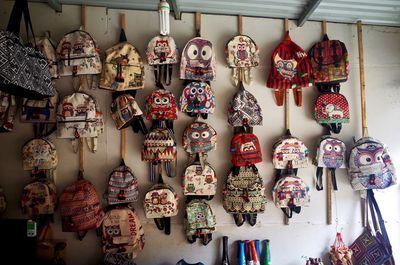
x=332 y=109
x=245 y=149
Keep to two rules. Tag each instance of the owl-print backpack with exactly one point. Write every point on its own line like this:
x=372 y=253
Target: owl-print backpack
x=78 y=116
x=162 y=53
x=161 y=106
x=126 y=112
x=161 y=203
x=199 y=180
x=289 y=148
x=243 y=194
x=331 y=110
x=329 y=61
x=241 y=55
x=245 y=149
x=197 y=99
x=244 y=109
x=370 y=165
x=199 y=221
x=331 y=154
x=290 y=69
x=122 y=232
x=198 y=60
x=123 y=67
x=39 y=154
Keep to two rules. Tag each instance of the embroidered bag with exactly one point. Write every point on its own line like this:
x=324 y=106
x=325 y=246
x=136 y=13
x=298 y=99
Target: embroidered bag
x=46 y=46
x=122 y=232
x=24 y=71
x=199 y=180
x=78 y=54
x=161 y=203
x=244 y=109
x=80 y=208
x=3 y=202
x=198 y=60
x=162 y=53
x=197 y=99
x=39 y=111
x=39 y=153
x=199 y=221
x=289 y=148
x=339 y=253
x=332 y=109
x=161 y=105
x=245 y=149
x=370 y=165
x=78 y=116
x=199 y=137
x=243 y=194
x=123 y=186
x=8 y=109
x=331 y=154
x=290 y=69
x=373 y=246
x=329 y=61
x=241 y=55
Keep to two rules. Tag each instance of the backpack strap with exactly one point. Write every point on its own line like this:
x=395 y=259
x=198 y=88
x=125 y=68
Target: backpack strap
x=122 y=36
x=333 y=176
x=206 y=238
x=252 y=218
x=320 y=57
x=336 y=127
x=92 y=143
x=298 y=96
x=279 y=95
x=335 y=54
x=319 y=184
x=168 y=74
x=239 y=219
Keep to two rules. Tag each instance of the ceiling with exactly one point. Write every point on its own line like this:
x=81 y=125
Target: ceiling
x=373 y=12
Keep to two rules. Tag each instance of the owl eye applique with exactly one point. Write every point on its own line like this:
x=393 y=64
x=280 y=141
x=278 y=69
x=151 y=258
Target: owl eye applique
x=193 y=51
x=165 y=100
x=200 y=90
x=205 y=135
x=365 y=159
x=195 y=135
x=206 y=53
x=157 y=100
x=378 y=158
x=337 y=148
x=193 y=91
x=328 y=147
x=279 y=64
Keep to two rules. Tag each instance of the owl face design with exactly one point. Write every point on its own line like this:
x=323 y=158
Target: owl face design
x=287 y=68
x=370 y=156
x=162 y=49
x=197 y=97
x=199 y=53
x=200 y=217
x=112 y=231
x=333 y=153
x=162 y=102
x=201 y=136
x=242 y=53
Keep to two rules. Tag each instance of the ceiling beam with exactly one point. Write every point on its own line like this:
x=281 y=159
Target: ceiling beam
x=176 y=9
x=55 y=4
x=308 y=12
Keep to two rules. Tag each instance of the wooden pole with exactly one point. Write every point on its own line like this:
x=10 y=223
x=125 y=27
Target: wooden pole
x=81 y=156
x=362 y=80
x=123 y=21
x=329 y=197
x=323 y=27
x=83 y=17
x=123 y=131
x=198 y=24
x=240 y=25
x=287 y=103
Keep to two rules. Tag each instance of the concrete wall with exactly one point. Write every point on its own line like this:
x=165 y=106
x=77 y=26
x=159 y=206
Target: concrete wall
x=308 y=234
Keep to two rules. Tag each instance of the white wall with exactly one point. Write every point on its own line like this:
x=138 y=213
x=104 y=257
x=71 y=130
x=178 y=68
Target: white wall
x=307 y=233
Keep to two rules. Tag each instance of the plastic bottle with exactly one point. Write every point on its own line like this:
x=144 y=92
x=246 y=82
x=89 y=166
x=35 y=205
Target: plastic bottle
x=254 y=255
x=242 y=255
x=225 y=252
x=267 y=260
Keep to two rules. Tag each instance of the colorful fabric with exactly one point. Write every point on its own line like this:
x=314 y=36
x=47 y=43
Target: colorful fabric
x=161 y=201
x=40 y=111
x=162 y=50
x=244 y=110
x=197 y=97
x=161 y=105
x=331 y=108
x=159 y=145
x=124 y=110
x=245 y=149
x=199 y=180
x=289 y=148
x=123 y=186
x=200 y=219
x=199 y=137
x=48 y=49
x=39 y=198
x=39 y=154
x=290 y=191
x=331 y=153
x=242 y=51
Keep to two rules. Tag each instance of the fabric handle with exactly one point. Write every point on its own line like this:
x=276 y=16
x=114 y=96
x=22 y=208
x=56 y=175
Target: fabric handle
x=20 y=7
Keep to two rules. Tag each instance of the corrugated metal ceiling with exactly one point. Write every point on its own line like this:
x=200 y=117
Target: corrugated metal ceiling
x=376 y=12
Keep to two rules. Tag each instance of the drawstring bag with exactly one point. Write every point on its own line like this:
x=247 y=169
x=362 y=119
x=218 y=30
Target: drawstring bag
x=339 y=253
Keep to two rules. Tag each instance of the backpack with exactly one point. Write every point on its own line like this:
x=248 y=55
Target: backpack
x=39 y=197
x=289 y=148
x=199 y=137
x=339 y=253
x=39 y=111
x=290 y=193
x=198 y=60
x=199 y=180
x=126 y=112
x=46 y=46
x=331 y=154
x=78 y=54
x=78 y=117
x=162 y=53
x=38 y=154
x=245 y=149
x=290 y=69
x=123 y=186
x=241 y=54
x=3 y=201
x=243 y=194
x=199 y=221
x=244 y=109
x=117 y=259
x=122 y=232
x=161 y=203
x=329 y=61
x=331 y=109
x=197 y=99
x=80 y=208
x=370 y=165
x=122 y=69
x=159 y=147
x=161 y=105
x=8 y=109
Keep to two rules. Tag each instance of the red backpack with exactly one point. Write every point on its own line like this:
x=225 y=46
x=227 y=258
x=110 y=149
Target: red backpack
x=245 y=149
x=289 y=69
x=332 y=109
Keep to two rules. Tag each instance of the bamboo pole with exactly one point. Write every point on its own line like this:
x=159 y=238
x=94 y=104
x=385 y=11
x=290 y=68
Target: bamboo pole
x=287 y=105
x=240 y=25
x=81 y=152
x=123 y=131
x=83 y=17
x=198 y=24
x=323 y=27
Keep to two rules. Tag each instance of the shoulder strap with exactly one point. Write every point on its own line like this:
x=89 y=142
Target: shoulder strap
x=122 y=36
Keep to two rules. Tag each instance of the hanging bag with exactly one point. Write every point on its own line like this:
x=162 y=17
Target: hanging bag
x=339 y=253
x=8 y=110
x=197 y=99
x=331 y=109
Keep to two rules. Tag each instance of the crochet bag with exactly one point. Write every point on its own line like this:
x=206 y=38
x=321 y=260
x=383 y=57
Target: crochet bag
x=39 y=197
x=331 y=154
x=8 y=109
x=241 y=55
x=198 y=60
x=339 y=253
x=244 y=194
x=199 y=221
x=38 y=154
x=290 y=69
x=329 y=61
x=370 y=165
x=197 y=99
x=332 y=109
x=245 y=149
x=126 y=112
x=289 y=148
x=162 y=53
x=123 y=186
x=199 y=180
x=39 y=111
x=122 y=232
x=244 y=109
x=161 y=105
